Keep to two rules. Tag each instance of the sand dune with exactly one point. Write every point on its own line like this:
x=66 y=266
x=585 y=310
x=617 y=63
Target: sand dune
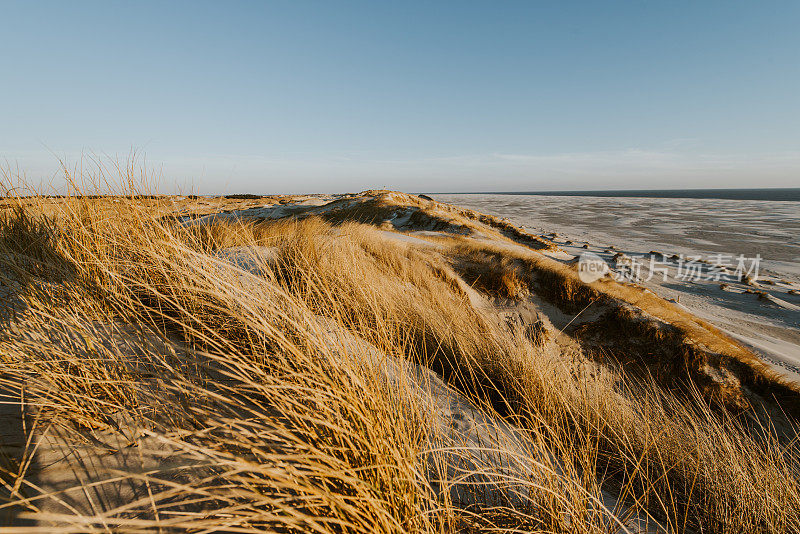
x=385 y=361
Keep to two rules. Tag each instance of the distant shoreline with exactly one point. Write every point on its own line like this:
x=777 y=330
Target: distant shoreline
x=786 y=194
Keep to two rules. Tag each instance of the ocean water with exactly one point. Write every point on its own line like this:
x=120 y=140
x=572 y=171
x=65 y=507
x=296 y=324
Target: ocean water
x=668 y=224
x=786 y=194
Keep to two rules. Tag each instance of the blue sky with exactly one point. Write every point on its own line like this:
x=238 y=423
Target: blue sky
x=419 y=96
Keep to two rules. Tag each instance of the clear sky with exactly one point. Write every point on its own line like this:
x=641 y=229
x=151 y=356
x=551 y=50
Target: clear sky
x=332 y=96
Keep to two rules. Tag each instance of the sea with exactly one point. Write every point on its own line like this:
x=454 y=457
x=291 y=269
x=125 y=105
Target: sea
x=787 y=194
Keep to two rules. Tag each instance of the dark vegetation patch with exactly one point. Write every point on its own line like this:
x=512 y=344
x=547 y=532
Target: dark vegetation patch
x=499 y=277
x=30 y=248
x=243 y=196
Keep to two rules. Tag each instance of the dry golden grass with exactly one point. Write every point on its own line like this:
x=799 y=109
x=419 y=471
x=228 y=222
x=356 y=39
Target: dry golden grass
x=277 y=425
x=285 y=431
x=266 y=406
x=630 y=435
